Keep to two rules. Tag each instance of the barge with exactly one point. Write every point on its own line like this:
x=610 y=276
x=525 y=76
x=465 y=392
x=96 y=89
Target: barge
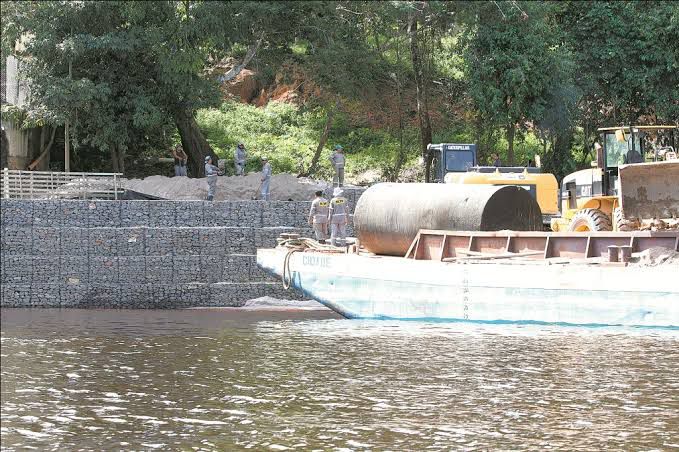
x=505 y=276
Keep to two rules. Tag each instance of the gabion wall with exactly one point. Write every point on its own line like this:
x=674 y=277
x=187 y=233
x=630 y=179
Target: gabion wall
x=142 y=254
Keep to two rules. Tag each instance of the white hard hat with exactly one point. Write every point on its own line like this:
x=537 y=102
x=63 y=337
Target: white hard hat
x=337 y=191
x=264 y=157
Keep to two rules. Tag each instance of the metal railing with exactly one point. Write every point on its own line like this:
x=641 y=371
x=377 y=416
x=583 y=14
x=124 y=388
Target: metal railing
x=59 y=185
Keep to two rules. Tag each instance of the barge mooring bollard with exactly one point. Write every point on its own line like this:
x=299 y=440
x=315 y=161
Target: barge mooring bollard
x=625 y=253
x=613 y=253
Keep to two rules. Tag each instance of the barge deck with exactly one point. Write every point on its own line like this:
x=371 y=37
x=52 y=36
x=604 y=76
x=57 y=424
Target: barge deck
x=504 y=276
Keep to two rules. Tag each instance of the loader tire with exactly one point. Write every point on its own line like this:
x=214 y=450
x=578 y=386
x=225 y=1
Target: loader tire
x=590 y=220
x=622 y=223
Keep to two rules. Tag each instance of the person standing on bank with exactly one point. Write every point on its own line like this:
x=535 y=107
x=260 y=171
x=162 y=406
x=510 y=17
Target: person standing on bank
x=180 y=159
x=239 y=159
x=318 y=216
x=211 y=172
x=338 y=159
x=496 y=159
x=338 y=216
x=266 y=179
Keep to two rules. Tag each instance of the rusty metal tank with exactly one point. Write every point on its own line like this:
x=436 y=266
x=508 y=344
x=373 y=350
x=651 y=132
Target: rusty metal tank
x=389 y=215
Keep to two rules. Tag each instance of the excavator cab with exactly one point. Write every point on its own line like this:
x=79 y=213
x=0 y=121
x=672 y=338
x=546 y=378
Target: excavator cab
x=632 y=181
x=449 y=158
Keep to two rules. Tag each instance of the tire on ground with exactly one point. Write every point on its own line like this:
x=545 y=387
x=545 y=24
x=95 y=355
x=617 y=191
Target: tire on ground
x=622 y=223
x=590 y=220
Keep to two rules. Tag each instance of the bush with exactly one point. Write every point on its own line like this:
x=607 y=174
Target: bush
x=289 y=136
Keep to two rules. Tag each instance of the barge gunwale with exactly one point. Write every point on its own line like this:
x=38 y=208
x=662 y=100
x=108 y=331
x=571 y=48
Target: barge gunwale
x=440 y=245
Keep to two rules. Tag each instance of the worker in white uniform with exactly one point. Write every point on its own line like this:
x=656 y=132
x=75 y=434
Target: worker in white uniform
x=338 y=214
x=239 y=159
x=211 y=172
x=266 y=179
x=318 y=216
x=338 y=159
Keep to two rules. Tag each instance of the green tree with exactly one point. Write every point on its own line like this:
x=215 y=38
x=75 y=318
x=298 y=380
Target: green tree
x=137 y=66
x=511 y=56
x=628 y=55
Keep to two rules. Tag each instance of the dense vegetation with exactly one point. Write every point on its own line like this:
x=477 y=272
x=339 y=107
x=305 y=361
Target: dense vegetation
x=520 y=78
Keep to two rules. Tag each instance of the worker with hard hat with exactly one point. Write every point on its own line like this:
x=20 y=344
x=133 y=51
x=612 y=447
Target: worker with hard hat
x=338 y=159
x=211 y=172
x=318 y=216
x=239 y=155
x=266 y=178
x=338 y=217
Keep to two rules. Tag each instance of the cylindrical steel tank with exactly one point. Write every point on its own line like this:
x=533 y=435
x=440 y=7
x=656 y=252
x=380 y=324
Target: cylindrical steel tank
x=388 y=216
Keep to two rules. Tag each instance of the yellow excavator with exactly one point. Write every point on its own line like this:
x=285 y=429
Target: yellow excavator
x=633 y=185
x=454 y=163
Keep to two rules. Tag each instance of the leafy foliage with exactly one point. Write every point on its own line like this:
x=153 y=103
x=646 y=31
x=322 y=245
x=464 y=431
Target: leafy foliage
x=518 y=77
x=628 y=55
x=288 y=136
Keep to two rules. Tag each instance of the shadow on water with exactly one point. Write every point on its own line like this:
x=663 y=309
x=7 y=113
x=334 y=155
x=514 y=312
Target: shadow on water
x=146 y=321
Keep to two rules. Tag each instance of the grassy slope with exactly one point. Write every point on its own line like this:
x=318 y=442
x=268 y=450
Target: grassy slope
x=289 y=135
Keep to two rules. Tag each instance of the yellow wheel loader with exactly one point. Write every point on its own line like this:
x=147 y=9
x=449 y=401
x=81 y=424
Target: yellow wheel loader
x=634 y=183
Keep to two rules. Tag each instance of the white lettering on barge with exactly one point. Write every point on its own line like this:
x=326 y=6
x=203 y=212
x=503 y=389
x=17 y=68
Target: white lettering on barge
x=316 y=261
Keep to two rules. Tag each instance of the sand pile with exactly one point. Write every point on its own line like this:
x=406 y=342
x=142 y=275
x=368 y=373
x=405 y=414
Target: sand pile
x=656 y=256
x=283 y=187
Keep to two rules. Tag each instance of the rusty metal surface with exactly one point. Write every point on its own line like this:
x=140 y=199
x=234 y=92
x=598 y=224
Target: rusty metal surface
x=389 y=215
x=440 y=245
x=650 y=190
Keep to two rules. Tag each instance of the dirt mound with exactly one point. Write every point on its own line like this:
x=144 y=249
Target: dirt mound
x=244 y=87
x=656 y=256
x=284 y=187
x=291 y=85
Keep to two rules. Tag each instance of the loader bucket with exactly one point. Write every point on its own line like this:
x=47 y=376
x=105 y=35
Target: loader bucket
x=650 y=190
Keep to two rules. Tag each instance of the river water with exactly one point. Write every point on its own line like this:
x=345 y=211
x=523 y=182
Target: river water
x=272 y=380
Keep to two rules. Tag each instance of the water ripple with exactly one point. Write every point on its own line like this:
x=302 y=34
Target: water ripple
x=183 y=379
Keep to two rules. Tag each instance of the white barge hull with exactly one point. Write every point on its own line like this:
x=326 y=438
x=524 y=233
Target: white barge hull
x=366 y=287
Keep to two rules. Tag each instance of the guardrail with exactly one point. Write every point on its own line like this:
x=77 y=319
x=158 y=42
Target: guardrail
x=59 y=185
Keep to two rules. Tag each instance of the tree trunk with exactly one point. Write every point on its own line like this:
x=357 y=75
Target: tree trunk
x=421 y=91
x=117 y=160
x=562 y=151
x=114 y=160
x=511 y=133
x=480 y=147
x=121 y=161
x=321 y=143
x=400 y=158
x=194 y=143
x=43 y=159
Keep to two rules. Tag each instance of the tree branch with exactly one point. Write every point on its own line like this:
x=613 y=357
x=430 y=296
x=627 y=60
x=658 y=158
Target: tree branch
x=234 y=71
